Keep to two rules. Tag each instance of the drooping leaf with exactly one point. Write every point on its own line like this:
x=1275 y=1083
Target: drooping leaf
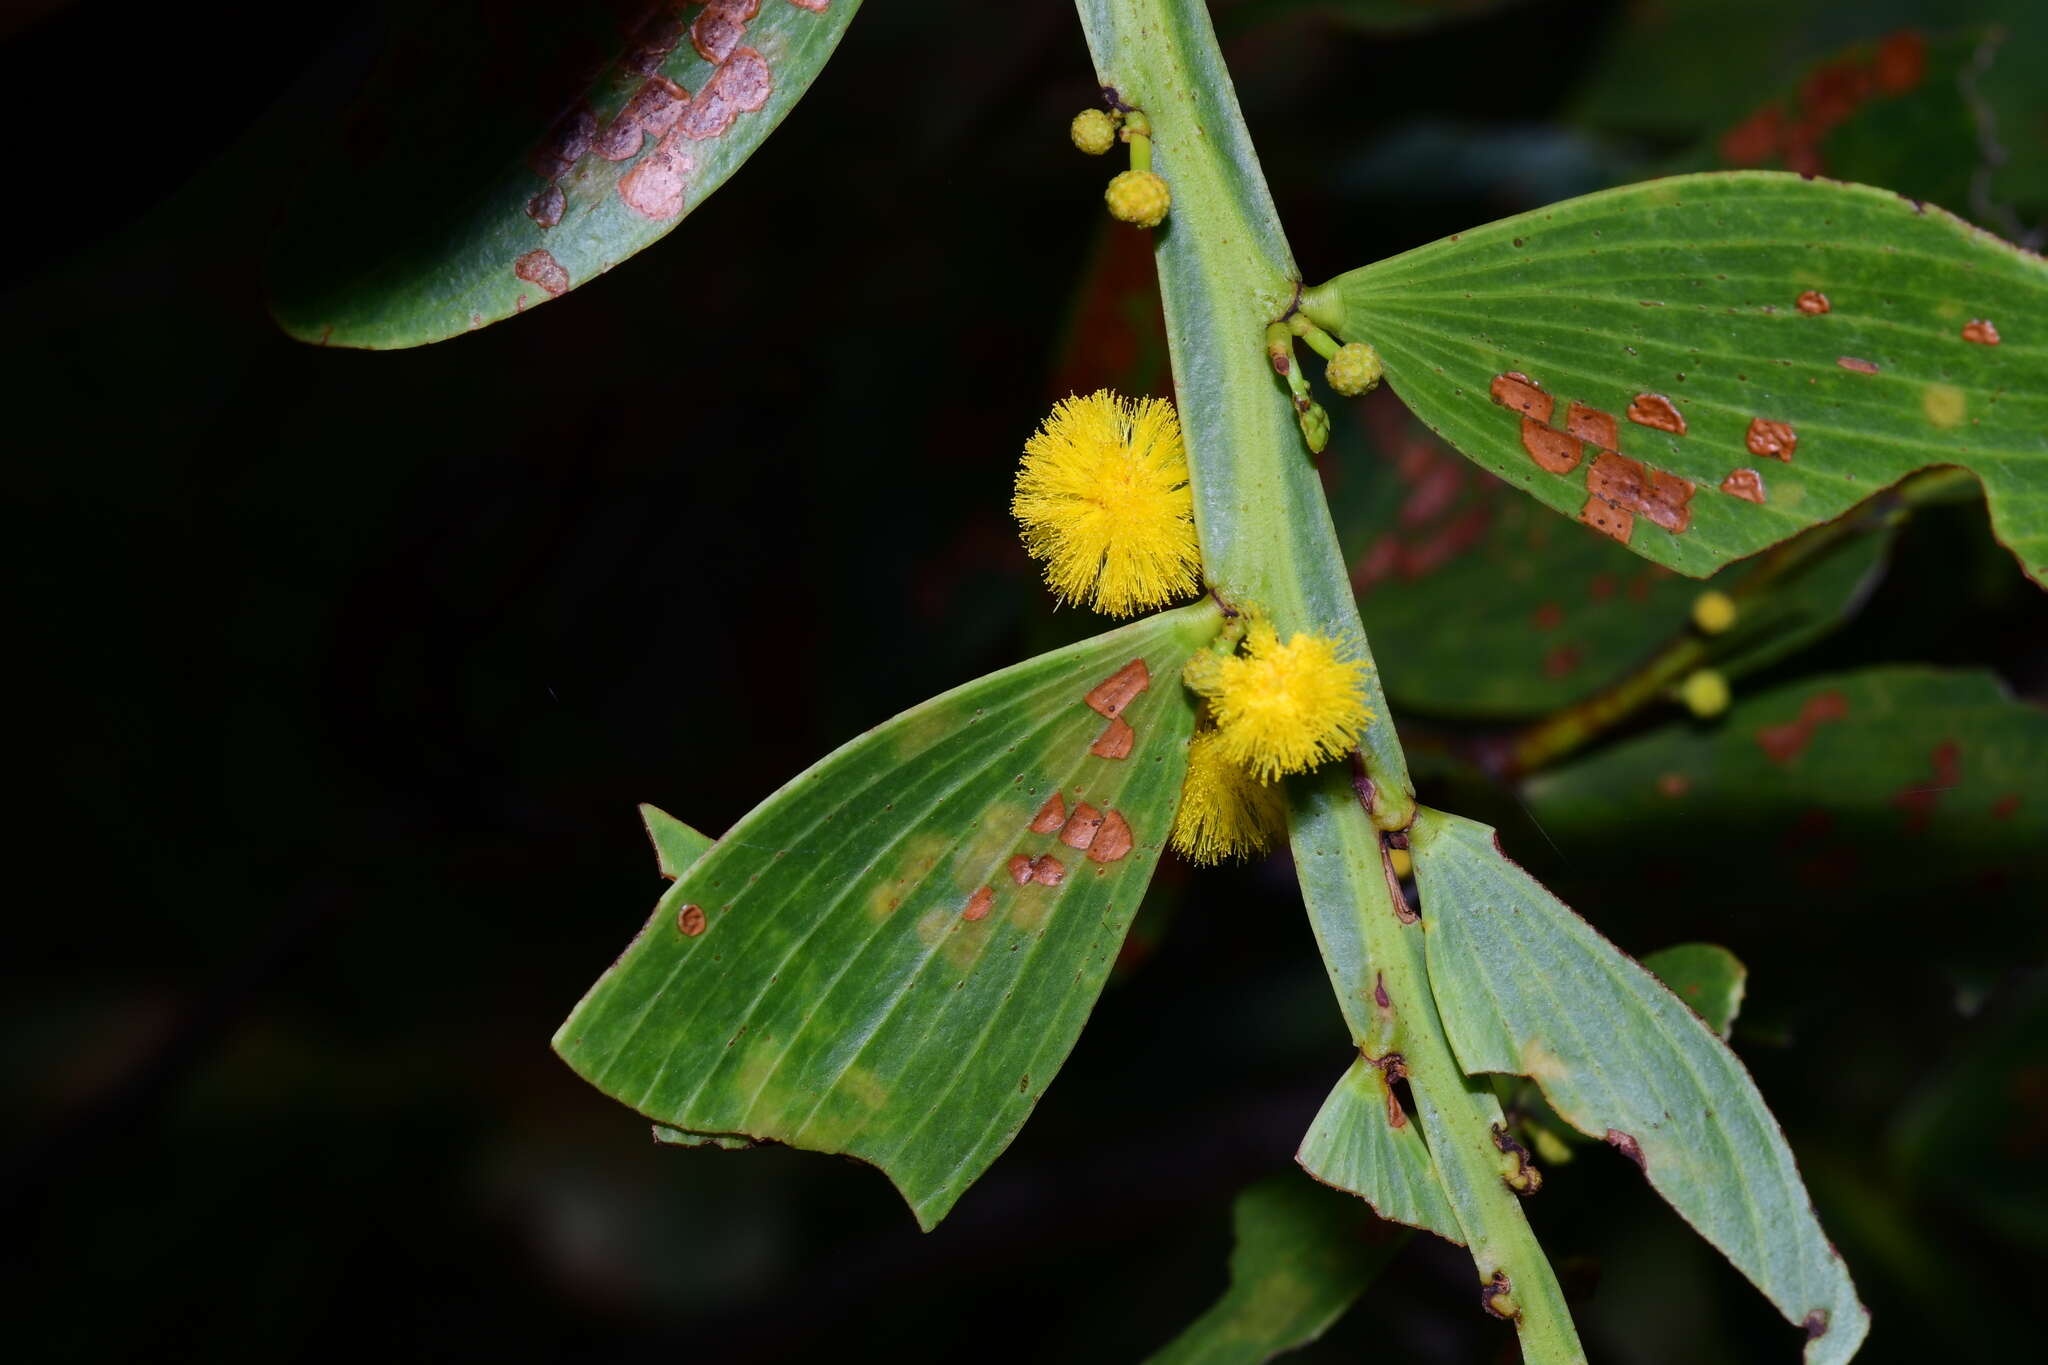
x=676 y=845
x=1485 y=604
x=1362 y=1142
x=462 y=209
x=1303 y=1255
x=1527 y=988
x=892 y=955
x=1702 y=366
x=1842 y=74
x=1706 y=977
x=1849 y=789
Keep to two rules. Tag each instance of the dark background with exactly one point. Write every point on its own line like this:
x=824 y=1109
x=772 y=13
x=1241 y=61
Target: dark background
x=341 y=674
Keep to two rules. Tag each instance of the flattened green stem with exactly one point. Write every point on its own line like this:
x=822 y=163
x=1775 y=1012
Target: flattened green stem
x=1225 y=272
x=1225 y=275
x=1564 y=732
x=1374 y=957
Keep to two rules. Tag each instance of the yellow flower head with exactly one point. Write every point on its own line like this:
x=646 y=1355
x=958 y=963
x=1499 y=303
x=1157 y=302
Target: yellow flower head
x=1224 y=811
x=1103 y=499
x=1283 y=708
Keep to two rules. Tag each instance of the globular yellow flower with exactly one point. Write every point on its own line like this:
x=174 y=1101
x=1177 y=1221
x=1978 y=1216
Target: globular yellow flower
x=1225 y=812
x=1103 y=499
x=1713 y=612
x=1704 y=692
x=1283 y=708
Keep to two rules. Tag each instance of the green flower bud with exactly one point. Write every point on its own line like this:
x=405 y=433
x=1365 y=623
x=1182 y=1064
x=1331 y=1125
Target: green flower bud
x=1355 y=369
x=1093 y=131
x=1139 y=198
x=1315 y=428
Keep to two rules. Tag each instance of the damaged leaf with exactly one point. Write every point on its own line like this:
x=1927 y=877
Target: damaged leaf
x=1527 y=988
x=1706 y=976
x=676 y=845
x=856 y=968
x=1362 y=1143
x=504 y=159
x=1540 y=345
x=1302 y=1256
x=1482 y=603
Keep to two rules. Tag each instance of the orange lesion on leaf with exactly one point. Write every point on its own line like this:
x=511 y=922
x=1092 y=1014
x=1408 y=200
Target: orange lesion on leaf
x=1776 y=440
x=1658 y=412
x=1857 y=363
x=720 y=26
x=1608 y=519
x=1746 y=484
x=1981 y=331
x=1553 y=451
x=1112 y=841
x=978 y=904
x=1110 y=696
x=1519 y=392
x=691 y=921
x=1829 y=95
x=1081 y=827
x=1591 y=425
x=1813 y=303
x=1050 y=816
x=1115 y=741
x=1666 y=499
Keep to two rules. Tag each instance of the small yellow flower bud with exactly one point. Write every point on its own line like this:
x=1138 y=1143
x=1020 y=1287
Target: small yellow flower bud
x=1403 y=862
x=1355 y=369
x=1705 y=693
x=1093 y=131
x=1713 y=612
x=1139 y=198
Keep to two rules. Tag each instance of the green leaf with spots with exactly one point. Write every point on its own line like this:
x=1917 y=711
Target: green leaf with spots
x=1852 y=789
x=1303 y=1255
x=1706 y=976
x=1705 y=365
x=465 y=210
x=1482 y=603
x=891 y=956
x=1364 y=1143
x=1527 y=988
x=676 y=845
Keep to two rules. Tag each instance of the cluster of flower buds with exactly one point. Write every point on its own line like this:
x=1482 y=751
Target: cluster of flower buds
x=1138 y=196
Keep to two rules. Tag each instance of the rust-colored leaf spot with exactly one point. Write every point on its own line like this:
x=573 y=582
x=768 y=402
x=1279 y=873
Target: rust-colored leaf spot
x=1518 y=391
x=978 y=903
x=1901 y=62
x=1020 y=868
x=541 y=268
x=1813 y=303
x=1783 y=743
x=1081 y=826
x=814 y=6
x=1665 y=499
x=1113 y=841
x=654 y=187
x=1549 y=616
x=652 y=43
x=1626 y=1144
x=1379 y=991
x=1047 y=870
x=1752 y=141
x=690 y=919
x=546 y=207
x=1050 y=816
x=1824 y=707
x=1110 y=696
x=721 y=26
x=1115 y=740
x=740 y=85
x=1560 y=661
x=1591 y=425
x=1856 y=363
x=565 y=143
x=1552 y=450
x=1746 y=484
x=1981 y=331
x=1776 y=440
x=654 y=108
x=1608 y=519
x=2005 y=806
x=1673 y=785
x=1656 y=411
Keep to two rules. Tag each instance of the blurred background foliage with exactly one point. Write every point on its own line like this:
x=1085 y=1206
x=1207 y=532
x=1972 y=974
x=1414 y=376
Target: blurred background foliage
x=344 y=673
